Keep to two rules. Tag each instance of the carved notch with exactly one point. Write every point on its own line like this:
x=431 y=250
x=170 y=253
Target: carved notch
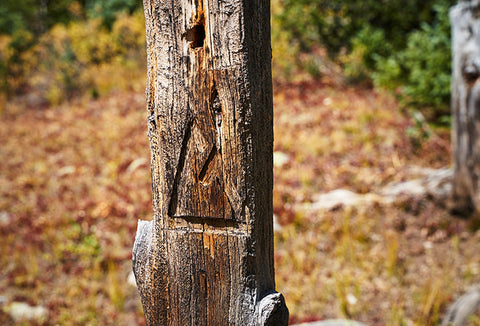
x=199 y=189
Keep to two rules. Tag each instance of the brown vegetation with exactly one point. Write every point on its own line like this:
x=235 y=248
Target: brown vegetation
x=75 y=178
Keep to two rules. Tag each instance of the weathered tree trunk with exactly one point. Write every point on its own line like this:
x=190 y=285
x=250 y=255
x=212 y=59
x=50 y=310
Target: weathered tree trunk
x=207 y=256
x=465 y=20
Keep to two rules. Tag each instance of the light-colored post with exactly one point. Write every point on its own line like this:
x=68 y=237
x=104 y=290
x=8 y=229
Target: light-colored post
x=465 y=20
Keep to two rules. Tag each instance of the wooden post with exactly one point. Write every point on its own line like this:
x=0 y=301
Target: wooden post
x=207 y=256
x=465 y=20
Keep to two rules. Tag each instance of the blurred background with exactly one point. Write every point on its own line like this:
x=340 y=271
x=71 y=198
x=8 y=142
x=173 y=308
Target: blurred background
x=362 y=125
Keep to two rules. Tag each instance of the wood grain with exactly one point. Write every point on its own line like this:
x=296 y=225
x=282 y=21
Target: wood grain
x=465 y=20
x=206 y=258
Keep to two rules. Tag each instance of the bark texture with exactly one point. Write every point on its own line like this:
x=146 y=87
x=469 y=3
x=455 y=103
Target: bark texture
x=465 y=20
x=207 y=256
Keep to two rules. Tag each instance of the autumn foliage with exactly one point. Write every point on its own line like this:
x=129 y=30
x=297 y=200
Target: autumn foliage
x=75 y=177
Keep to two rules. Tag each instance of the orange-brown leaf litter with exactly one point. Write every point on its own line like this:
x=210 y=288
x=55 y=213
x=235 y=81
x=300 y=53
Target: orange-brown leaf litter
x=75 y=178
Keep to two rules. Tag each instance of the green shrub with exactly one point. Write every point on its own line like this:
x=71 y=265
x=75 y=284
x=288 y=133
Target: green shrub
x=67 y=62
x=423 y=68
x=284 y=47
x=397 y=44
x=48 y=47
x=107 y=10
x=334 y=23
x=367 y=45
x=13 y=65
x=427 y=59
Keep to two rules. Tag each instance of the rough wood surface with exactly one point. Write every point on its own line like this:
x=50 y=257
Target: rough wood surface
x=464 y=310
x=465 y=20
x=207 y=256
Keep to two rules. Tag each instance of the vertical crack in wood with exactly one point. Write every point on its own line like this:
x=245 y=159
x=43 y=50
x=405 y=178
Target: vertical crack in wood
x=217 y=116
x=216 y=110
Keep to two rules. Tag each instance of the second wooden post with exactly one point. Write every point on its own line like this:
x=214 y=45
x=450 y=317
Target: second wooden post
x=465 y=21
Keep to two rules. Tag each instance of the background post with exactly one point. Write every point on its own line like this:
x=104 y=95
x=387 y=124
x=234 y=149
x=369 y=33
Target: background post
x=465 y=22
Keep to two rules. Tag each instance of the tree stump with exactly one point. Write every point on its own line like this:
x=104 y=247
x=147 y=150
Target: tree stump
x=206 y=258
x=465 y=20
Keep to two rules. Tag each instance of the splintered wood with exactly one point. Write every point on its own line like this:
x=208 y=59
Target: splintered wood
x=207 y=256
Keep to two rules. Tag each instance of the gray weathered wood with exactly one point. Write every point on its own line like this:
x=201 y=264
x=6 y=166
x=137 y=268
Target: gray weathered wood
x=465 y=20
x=207 y=256
x=462 y=311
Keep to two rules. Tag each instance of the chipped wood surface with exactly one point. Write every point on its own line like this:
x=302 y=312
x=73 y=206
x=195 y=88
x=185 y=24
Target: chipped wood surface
x=207 y=256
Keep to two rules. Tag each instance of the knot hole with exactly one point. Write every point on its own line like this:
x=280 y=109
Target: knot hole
x=196 y=34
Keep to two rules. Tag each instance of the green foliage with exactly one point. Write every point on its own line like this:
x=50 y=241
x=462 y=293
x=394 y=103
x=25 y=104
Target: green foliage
x=423 y=67
x=107 y=10
x=427 y=59
x=36 y=16
x=65 y=60
x=73 y=63
x=399 y=45
x=367 y=46
x=12 y=63
x=419 y=132
x=17 y=15
x=48 y=48
x=335 y=23
x=77 y=245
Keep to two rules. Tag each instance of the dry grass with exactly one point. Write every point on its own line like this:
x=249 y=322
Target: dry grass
x=398 y=264
x=74 y=180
